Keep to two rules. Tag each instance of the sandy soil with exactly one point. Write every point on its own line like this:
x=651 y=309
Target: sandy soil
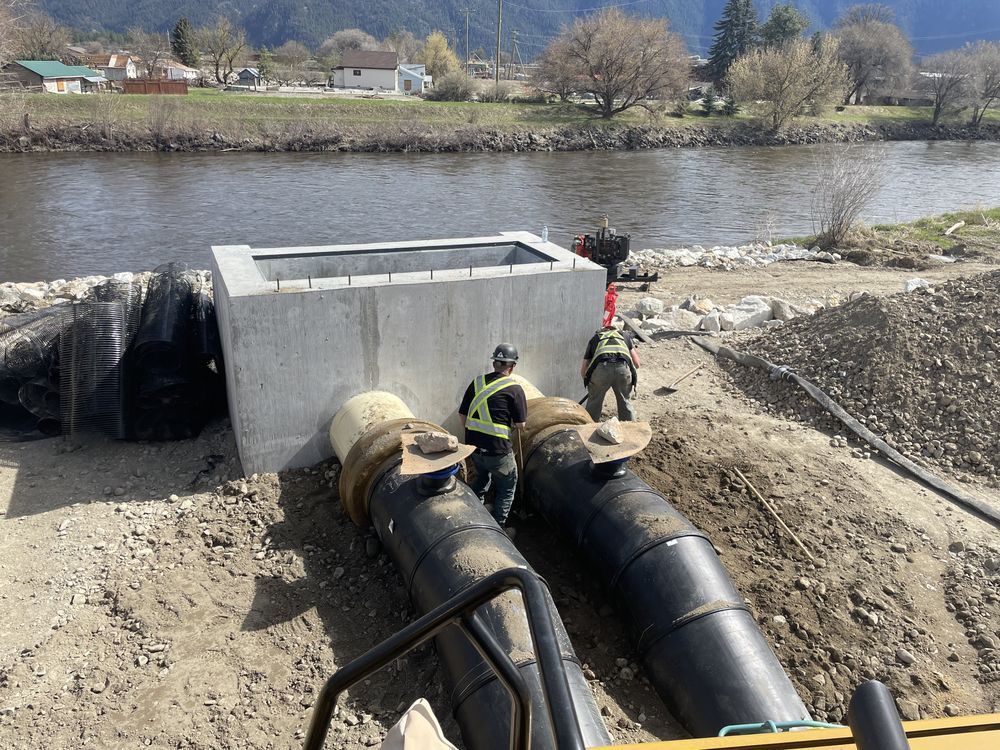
x=154 y=597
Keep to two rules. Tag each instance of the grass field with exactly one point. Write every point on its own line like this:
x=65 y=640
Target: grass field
x=227 y=111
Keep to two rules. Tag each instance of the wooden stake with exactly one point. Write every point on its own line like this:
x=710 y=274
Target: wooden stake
x=774 y=513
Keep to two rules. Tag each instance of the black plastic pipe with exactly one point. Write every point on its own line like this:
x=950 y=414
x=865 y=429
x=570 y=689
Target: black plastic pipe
x=873 y=719
x=442 y=540
x=694 y=634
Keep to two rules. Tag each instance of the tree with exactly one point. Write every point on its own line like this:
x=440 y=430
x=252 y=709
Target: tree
x=624 y=60
x=709 y=105
x=783 y=25
x=182 y=43
x=265 y=65
x=876 y=51
x=223 y=44
x=984 y=78
x=41 y=38
x=735 y=35
x=946 y=79
x=791 y=80
x=848 y=179
x=437 y=55
x=557 y=71
x=293 y=55
x=333 y=49
x=150 y=49
x=12 y=16
x=404 y=44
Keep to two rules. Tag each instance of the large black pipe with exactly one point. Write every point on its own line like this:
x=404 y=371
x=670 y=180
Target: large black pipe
x=442 y=541
x=695 y=636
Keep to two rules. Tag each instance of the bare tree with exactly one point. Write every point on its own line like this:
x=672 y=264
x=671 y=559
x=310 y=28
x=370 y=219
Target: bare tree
x=849 y=177
x=151 y=50
x=41 y=38
x=293 y=55
x=947 y=79
x=223 y=44
x=784 y=82
x=984 y=78
x=404 y=44
x=557 y=72
x=624 y=61
x=12 y=16
x=876 y=51
x=334 y=47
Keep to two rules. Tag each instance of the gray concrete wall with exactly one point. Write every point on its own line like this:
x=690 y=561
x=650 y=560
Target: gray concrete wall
x=294 y=357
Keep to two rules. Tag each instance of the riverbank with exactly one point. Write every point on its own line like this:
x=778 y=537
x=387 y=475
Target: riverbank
x=218 y=122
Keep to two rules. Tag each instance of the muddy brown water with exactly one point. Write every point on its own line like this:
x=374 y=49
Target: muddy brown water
x=63 y=215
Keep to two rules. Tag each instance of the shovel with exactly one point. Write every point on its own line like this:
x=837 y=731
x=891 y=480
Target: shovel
x=672 y=388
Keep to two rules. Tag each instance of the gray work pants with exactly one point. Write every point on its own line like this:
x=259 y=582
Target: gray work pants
x=618 y=377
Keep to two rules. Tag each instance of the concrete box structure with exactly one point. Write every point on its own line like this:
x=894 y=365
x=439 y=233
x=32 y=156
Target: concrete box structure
x=305 y=329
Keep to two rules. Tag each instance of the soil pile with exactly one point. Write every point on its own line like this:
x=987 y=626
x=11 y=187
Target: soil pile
x=919 y=369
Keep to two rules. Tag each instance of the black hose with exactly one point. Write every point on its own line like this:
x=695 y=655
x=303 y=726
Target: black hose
x=873 y=719
x=694 y=634
x=442 y=541
x=963 y=499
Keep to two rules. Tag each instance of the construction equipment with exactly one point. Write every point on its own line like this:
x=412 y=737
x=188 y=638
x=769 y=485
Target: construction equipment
x=609 y=249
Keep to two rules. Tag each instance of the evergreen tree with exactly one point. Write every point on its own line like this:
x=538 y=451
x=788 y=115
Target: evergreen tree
x=182 y=43
x=735 y=35
x=265 y=65
x=784 y=25
x=708 y=103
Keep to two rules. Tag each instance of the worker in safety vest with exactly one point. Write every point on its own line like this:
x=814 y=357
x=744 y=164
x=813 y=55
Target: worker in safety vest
x=611 y=361
x=492 y=408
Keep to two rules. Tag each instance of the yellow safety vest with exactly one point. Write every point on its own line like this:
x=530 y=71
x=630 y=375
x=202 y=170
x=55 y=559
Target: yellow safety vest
x=610 y=342
x=479 y=419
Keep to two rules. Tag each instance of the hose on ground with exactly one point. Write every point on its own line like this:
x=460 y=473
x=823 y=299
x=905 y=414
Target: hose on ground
x=783 y=372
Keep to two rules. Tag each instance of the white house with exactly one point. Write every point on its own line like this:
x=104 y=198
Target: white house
x=413 y=78
x=113 y=67
x=176 y=71
x=362 y=69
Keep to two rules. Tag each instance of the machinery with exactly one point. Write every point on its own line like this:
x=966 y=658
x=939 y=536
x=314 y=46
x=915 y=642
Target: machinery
x=609 y=249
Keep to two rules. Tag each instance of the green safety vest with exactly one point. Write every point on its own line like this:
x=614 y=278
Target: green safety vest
x=610 y=342
x=479 y=419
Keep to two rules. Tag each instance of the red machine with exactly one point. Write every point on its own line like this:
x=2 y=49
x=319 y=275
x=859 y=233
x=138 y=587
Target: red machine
x=611 y=250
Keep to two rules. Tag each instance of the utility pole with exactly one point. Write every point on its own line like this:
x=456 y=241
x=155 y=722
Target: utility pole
x=496 y=68
x=513 y=53
x=466 y=12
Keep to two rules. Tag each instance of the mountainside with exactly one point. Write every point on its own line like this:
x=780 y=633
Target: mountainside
x=932 y=24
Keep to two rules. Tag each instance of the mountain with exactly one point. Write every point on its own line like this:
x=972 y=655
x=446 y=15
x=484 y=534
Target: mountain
x=933 y=25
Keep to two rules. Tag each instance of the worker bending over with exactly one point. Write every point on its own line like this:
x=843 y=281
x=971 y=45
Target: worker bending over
x=493 y=406
x=611 y=361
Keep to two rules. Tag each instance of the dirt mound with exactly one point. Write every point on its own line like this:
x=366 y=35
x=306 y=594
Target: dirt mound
x=919 y=369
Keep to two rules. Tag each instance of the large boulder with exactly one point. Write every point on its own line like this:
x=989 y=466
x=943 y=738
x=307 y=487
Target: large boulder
x=649 y=307
x=751 y=312
x=785 y=311
x=711 y=322
x=673 y=320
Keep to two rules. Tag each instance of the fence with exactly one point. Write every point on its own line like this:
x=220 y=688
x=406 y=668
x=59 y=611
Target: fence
x=154 y=86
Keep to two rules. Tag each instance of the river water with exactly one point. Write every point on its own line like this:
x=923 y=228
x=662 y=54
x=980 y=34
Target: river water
x=63 y=215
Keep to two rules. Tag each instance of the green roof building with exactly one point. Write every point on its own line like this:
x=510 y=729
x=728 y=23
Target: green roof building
x=54 y=77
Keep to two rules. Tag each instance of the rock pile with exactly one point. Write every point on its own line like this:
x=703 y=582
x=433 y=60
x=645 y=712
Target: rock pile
x=700 y=314
x=919 y=369
x=18 y=297
x=729 y=257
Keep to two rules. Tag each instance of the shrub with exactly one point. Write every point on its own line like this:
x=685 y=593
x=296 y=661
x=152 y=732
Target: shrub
x=451 y=87
x=496 y=92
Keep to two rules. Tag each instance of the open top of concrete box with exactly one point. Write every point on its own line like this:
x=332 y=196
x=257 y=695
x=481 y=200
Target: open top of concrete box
x=306 y=328
x=253 y=270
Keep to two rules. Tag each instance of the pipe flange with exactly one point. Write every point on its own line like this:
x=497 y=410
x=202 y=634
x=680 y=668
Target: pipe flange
x=369 y=453
x=544 y=413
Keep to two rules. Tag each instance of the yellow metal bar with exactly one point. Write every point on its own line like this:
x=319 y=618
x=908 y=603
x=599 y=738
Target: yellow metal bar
x=959 y=733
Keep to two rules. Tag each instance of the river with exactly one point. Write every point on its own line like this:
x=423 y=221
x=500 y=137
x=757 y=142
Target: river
x=64 y=215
